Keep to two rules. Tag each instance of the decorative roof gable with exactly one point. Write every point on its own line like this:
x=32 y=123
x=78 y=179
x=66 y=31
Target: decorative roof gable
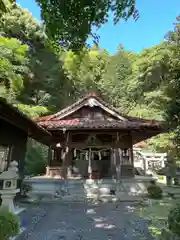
x=91 y=100
x=110 y=118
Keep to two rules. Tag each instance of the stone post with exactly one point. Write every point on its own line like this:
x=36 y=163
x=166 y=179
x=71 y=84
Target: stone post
x=9 y=189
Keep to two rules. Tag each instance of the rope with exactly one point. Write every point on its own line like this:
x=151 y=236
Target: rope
x=92 y=151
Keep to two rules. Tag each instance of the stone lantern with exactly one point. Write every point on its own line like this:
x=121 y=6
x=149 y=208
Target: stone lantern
x=9 y=186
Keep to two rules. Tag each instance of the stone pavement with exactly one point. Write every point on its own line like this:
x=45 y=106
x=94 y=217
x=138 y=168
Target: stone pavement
x=83 y=221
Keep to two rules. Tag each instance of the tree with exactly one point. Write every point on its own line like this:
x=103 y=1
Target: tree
x=36 y=158
x=70 y=23
x=115 y=79
x=149 y=76
x=13 y=66
x=44 y=63
x=173 y=91
x=85 y=70
x=4 y=5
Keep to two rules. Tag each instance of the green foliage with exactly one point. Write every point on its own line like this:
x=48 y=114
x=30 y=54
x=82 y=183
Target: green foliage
x=26 y=188
x=5 y=6
x=36 y=158
x=9 y=224
x=173 y=91
x=174 y=219
x=162 y=142
x=19 y=23
x=32 y=111
x=39 y=77
x=71 y=23
x=154 y=191
x=13 y=65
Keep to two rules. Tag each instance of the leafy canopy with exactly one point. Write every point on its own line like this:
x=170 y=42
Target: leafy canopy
x=70 y=23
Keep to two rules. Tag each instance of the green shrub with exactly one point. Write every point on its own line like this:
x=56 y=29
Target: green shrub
x=36 y=159
x=26 y=188
x=9 y=224
x=154 y=191
x=174 y=219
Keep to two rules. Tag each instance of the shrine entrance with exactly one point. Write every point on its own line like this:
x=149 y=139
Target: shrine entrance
x=92 y=163
x=91 y=139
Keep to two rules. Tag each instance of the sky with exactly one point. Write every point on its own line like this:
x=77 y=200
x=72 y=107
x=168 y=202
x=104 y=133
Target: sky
x=156 y=19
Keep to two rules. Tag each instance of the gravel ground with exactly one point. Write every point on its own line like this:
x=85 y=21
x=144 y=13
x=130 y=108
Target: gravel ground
x=82 y=221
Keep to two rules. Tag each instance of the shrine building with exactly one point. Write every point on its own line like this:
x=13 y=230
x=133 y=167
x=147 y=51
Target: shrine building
x=91 y=139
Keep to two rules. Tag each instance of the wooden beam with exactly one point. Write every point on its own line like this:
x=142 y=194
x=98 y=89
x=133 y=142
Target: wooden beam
x=84 y=145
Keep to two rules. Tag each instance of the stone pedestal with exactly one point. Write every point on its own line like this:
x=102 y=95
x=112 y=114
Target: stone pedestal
x=9 y=188
x=8 y=199
x=52 y=171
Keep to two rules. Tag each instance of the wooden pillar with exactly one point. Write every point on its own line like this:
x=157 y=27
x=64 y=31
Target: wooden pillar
x=19 y=154
x=132 y=160
x=9 y=156
x=67 y=160
x=49 y=156
x=49 y=161
x=127 y=165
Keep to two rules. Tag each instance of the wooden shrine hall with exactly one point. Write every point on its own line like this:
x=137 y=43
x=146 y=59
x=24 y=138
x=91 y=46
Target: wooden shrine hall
x=92 y=139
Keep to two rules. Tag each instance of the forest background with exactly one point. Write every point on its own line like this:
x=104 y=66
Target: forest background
x=41 y=77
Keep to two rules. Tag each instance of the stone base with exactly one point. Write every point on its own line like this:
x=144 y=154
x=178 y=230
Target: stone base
x=127 y=189
x=60 y=172
x=46 y=187
x=7 y=197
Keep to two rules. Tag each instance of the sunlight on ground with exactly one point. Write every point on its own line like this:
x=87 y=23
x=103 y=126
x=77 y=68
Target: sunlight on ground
x=105 y=226
x=100 y=222
x=90 y=211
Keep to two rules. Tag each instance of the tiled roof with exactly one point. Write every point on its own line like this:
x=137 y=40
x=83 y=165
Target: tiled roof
x=15 y=117
x=94 y=124
x=120 y=121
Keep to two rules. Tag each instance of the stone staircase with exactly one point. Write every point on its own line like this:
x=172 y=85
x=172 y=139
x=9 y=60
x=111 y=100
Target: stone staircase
x=84 y=190
x=104 y=190
x=75 y=190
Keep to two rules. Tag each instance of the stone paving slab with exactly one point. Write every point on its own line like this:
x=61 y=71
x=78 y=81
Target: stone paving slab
x=30 y=217
x=83 y=221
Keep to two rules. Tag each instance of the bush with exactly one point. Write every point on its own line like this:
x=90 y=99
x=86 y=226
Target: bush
x=154 y=191
x=36 y=159
x=9 y=224
x=26 y=188
x=174 y=219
